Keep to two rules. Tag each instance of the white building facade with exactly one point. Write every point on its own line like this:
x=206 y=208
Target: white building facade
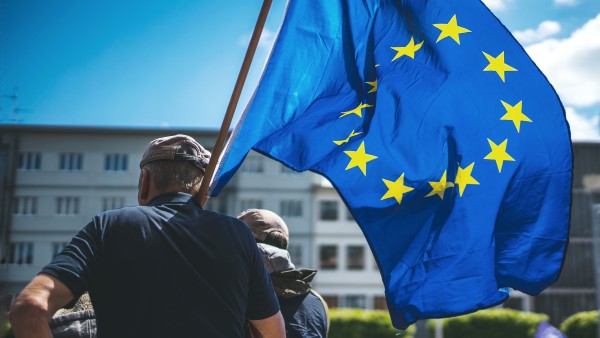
x=54 y=179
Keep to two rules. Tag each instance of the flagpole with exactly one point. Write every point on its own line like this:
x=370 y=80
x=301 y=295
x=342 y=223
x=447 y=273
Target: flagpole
x=233 y=101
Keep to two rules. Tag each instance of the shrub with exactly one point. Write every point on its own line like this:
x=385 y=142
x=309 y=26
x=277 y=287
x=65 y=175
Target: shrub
x=581 y=325
x=358 y=323
x=492 y=323
x=7 y=331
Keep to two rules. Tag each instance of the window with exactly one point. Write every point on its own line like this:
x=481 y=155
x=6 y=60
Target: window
x=25 y=205
x=288 y=171
x=349 y=216
x=216 y=204
x=67 y=205
x=222 y=209
x=58 y=247
x=328 y=257
x=379 y=303
x=109 y=203
x=253 y=165
x=356 y=301
x=115 y=162
x=295 y=251
x=328 y=210
x=332 y=301
x=18 y=253
x=71 y=161
x=290 y=208
x=251 y=204
x=29 y=161
x=355 y=259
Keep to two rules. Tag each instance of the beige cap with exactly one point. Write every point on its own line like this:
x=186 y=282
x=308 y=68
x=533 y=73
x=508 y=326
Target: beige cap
x=262 y=222
x=176 y=148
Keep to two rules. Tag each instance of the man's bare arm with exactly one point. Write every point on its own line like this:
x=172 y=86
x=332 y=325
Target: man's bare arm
x=35 y=306
x=271 y=327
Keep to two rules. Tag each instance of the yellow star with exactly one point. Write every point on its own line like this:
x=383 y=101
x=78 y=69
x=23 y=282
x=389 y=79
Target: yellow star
x=497 y=65
x=352 y=134
x=396 y=189
x=408 y=50
x=450 y=29
x=359 y=158
x=438 y=188
x=356 y=110
x=464 y=178
x=499 y=154
x=374 y=85
x=515 y=114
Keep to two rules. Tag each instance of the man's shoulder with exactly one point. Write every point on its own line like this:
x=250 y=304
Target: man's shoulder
x=125 y=212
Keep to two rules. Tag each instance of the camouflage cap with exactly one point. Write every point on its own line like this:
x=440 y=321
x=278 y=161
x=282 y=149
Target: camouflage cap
x=176 y=148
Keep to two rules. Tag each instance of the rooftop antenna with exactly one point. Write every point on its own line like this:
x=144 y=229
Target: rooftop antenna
x=12 y=115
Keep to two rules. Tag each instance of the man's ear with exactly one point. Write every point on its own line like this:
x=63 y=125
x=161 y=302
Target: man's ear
x=144 y=187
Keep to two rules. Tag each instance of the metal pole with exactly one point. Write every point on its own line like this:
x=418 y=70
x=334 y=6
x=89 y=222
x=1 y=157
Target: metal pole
x=439 y=329
x=235 y=96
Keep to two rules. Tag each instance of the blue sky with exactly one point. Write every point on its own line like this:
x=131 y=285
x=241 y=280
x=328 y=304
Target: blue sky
x=174 y=63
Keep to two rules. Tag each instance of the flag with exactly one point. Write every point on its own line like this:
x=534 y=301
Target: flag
x=546 y=330
x=445 y=141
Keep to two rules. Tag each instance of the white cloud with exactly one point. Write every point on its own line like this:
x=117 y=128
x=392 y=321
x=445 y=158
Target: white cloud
x=545 y=30
x=267 y=38
x=497 y=5
x=582 y=128
x=566 y=2
x=572 y=65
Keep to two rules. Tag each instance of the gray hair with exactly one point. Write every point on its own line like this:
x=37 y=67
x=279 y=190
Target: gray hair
x=179 y=175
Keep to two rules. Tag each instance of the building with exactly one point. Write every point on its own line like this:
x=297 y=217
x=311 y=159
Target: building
x=54 y=179
x=578 y=285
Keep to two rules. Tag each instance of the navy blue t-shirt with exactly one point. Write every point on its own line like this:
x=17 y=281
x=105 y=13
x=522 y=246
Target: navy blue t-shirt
x=168 y=269
x=305 y=316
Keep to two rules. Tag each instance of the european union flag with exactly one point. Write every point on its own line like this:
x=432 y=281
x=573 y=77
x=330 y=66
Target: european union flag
x=444 y=139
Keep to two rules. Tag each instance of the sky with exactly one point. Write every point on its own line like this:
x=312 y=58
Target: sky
x=173 y=64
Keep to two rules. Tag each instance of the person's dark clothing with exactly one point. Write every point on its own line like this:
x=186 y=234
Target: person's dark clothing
x=305 y=313
x=168 y=269
x=305 y=316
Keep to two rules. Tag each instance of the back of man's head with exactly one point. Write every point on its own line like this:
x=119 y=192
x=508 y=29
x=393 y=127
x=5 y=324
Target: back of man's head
x=176 y=162
x=267 y=227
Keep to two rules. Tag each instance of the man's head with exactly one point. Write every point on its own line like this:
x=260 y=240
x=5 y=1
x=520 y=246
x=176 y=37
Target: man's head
x=267 y=227
x=172 y=164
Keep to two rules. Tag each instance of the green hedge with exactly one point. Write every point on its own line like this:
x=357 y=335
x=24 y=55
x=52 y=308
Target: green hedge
x=581 y=325
x=492 y=323
x=358 y=323
x=6 y=331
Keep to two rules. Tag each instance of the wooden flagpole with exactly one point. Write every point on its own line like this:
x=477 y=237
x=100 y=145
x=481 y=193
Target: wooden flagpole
x=235 y=96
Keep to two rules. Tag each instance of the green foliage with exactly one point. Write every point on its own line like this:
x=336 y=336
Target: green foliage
x=581 y=325
x=492 y=323
x=6 y=331
x=358 y=323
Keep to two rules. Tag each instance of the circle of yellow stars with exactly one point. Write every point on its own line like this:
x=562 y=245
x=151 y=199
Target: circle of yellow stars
x=397 y=188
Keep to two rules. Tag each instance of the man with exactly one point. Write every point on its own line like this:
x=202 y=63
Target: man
x=305 y=313
x=165 y=268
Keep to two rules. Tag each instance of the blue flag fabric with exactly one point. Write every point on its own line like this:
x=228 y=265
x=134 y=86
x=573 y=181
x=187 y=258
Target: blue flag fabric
x=444 y=139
